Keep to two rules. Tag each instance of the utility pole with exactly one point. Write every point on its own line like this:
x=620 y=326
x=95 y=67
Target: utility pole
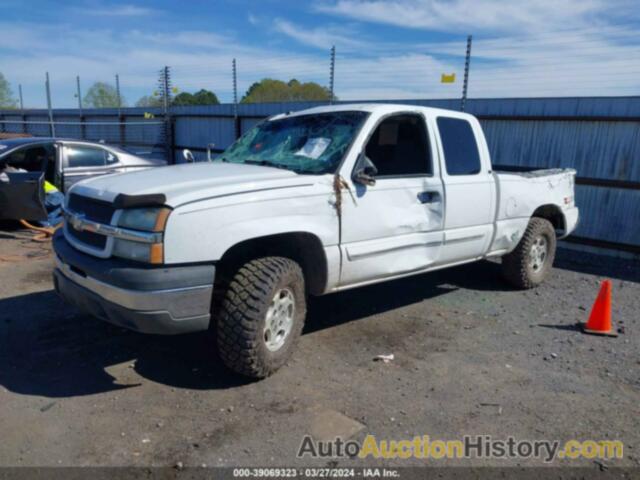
x=332 y=71
x=465 y=83
x=52 y=127
x=21 y=101
x=236 y=118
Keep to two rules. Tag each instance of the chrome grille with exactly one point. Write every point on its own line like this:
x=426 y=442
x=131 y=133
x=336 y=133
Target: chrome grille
x=94 y=240
x=91 y=209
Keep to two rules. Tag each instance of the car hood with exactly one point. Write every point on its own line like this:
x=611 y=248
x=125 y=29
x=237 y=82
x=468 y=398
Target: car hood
x=191 y=182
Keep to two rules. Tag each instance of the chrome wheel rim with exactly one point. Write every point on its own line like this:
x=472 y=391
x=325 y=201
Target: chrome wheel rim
x=279 y=319
x=538 y=253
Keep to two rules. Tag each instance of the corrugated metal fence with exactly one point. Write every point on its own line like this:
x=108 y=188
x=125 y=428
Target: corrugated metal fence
x=599 y=137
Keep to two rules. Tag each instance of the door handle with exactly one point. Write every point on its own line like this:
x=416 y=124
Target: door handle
x=429 y=197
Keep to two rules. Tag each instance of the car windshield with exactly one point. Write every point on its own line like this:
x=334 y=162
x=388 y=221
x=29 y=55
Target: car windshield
x=304 y=144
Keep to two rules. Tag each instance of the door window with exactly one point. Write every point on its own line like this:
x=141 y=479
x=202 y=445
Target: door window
x=111 y=158
x=32 y=159
x=461 y=154
x=399 y=147
x=37 y=158
x=85 y=156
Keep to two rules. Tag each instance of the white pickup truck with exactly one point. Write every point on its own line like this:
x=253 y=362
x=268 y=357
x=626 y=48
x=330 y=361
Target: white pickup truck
x=306 y=203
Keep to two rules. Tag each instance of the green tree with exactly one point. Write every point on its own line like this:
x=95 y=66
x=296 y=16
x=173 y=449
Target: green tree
x=184 y=98
x=6 y=95
x=271 y=90
x=102 y=95
x=149 y=101
x=201 y=97
x=205 y=97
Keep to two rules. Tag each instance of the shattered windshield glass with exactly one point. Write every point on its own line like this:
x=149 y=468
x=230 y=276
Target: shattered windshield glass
x=303 y=144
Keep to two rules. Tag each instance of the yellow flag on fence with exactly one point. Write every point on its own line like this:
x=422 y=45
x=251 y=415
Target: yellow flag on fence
x=448 y=78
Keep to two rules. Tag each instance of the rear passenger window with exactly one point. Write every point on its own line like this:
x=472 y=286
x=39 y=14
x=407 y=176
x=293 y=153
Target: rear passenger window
x=461 y=155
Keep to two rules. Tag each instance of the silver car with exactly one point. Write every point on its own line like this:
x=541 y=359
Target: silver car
x=60 y=162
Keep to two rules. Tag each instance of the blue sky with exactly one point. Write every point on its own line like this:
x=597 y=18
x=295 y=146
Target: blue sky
x=385 y=49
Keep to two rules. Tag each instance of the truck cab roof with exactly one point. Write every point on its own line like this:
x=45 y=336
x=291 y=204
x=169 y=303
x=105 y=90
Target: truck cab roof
x=380 y=108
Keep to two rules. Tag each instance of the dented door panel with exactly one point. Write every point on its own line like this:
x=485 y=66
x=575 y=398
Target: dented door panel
x=391 y=228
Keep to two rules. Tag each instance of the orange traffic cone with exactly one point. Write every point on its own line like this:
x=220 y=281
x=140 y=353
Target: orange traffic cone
x=600 y=318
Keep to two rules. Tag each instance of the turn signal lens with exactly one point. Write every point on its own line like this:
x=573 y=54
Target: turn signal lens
x=138 y=251
x=161 y=219
x=156 y=253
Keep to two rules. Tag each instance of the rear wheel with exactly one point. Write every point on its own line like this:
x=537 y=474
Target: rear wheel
x=261 y=316
x=530 y=263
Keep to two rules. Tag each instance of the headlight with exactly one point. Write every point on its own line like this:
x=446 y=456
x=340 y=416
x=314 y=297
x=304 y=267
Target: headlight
x=147 y=219
x=141 y=252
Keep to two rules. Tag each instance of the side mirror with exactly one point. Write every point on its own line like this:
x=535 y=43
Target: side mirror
x=188 y=155
x=365 y=171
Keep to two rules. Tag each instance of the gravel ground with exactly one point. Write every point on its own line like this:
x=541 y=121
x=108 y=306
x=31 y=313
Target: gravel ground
x=471 y=356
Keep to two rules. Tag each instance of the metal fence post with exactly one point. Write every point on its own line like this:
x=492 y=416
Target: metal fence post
x=166 y=90
x=120 y=116
x=79 y=94
x=80 y=115
x=52 y=127
x=236 y=119
x=465 y=83
x=332 y=71
x=165 y=85
x=118 y=97
x=23 y=116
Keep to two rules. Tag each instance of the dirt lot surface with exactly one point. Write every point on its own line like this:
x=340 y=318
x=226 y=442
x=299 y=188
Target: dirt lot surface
x=471 y=356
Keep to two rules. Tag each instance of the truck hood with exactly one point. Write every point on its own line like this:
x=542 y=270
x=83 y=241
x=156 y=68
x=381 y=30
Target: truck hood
x=191 y=182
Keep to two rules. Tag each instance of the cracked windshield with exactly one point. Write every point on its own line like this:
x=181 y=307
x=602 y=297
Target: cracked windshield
x=303 y=144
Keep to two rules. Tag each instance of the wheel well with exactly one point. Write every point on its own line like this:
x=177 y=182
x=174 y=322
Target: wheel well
x=553 y=214
x=303 y=248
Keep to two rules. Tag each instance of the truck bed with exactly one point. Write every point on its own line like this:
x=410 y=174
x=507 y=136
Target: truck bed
x=530 y=172
x=521 y=193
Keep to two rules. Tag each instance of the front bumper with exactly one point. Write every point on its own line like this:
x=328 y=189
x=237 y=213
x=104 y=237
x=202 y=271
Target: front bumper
x=162 y=300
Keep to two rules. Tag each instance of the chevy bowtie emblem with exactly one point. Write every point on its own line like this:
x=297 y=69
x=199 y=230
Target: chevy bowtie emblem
x=77 y=220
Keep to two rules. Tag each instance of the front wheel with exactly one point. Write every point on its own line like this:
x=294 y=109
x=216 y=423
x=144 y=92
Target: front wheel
x=261 y=316
x=530 y=263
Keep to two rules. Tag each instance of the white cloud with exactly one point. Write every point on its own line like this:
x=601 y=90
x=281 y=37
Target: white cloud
x=470 y=15
x=117 y=11
x=324 y=37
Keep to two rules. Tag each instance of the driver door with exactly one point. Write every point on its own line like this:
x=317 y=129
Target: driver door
x=394 y=227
